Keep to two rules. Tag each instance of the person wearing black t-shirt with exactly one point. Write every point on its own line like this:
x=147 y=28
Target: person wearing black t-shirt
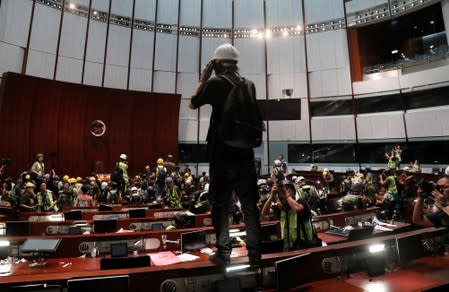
x=231 y=169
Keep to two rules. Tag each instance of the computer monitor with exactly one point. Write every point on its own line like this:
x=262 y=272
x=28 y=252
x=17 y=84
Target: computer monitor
x=272 y=246
x=270 y=232
x=409 y=248
x=74 y=230
x=105 y=226
x=292 y=272
x=191 y=241
x=155 y=206
x=44 y=245
x=17 y=228
x=157 y=226
x=72 y=215
x=104 y=207
x=360 y=233
x=4 y=251
x=119 y=249
x=110 y=284
x=137 y=213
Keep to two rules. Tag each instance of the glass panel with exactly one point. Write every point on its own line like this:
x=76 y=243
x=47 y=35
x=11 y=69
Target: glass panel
x=333 y=153
x=331 y=108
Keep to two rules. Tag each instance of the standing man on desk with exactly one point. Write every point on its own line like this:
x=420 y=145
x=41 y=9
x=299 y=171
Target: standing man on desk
x=231 y=161
x=439 y=193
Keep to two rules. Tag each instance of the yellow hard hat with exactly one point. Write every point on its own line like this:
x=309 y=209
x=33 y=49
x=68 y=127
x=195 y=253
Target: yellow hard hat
x=92 y=178
x=72 y=180
x=27 y=177
x=79 y=179
x=65 y=178
x=29 y=185
x=160 y=161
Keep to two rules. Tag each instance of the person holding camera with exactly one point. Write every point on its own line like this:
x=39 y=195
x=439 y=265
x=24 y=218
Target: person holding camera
x=231 y=168
x=439 y=193
x=294 y=214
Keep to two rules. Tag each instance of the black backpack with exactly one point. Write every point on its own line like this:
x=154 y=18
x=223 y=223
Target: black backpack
x=242 y=123
x=161 y=175
x=117 y=174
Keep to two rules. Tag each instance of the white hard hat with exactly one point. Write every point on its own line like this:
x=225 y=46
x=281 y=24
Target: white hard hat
x=226 y=52
x=104 y=185
x=261 y=182
x=300 y=178
x=123 y=156
x=447 y=171
x=277 y=162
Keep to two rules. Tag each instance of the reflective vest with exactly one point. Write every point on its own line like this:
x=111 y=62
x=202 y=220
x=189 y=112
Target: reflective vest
x=48 y=198
x=124 y=167
x=289 y=228
x=174 y=198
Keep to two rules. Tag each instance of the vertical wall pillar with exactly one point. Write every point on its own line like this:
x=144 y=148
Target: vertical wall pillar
x=445 y=9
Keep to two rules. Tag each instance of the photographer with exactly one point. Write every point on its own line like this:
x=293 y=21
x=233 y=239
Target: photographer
x=295 y=217
x=439 y=193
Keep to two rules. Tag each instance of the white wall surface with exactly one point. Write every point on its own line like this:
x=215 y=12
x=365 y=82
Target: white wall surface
x=380 y=126
x=327 y=56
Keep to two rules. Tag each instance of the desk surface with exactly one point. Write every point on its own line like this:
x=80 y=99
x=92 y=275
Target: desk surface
x=89 y=267
x=333 y=239
x=429 y=272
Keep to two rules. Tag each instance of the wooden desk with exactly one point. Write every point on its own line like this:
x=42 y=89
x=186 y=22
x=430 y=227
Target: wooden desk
x=150 y=278
x=341 y=218
x=89 y=212
x=333 y=239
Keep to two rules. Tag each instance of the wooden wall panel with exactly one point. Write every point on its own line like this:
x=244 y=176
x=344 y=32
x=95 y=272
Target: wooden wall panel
x=39 y=115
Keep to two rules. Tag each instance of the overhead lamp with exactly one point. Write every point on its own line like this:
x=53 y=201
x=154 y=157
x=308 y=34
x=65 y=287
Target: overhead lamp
x=268 y=33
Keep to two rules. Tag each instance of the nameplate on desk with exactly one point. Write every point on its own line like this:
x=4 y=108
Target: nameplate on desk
x=161 y=214
x=142 y=226
x=67 y=229
x=51 y=218
x=110 y=216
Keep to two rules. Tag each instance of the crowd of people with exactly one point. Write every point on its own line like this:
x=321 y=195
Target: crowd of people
x=165 y=184
x=292 y=199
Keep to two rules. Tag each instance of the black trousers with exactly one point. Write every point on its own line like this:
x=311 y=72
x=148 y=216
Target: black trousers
x=239 y=177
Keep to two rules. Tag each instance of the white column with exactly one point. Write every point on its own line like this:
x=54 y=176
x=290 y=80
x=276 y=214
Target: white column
x=445 y=9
